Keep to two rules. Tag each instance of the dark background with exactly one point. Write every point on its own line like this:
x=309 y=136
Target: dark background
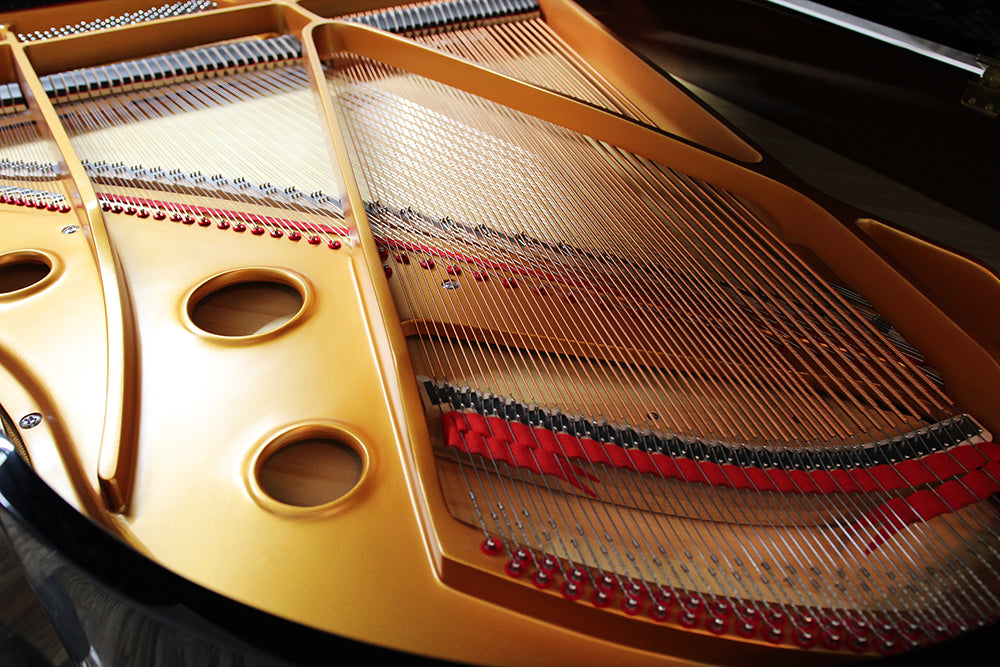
x=972 y=26
x=886 y=108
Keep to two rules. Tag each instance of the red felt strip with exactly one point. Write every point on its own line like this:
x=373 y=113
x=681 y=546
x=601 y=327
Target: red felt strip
x=950 y=496
x=471 y=433
x=231 y=215
x=547 y=452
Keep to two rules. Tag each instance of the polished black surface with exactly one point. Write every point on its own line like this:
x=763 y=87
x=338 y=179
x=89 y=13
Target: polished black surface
x=972 y=26
x=892 y=110
x=109 y=605
x=27 y=638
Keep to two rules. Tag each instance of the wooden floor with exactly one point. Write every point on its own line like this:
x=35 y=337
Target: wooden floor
x=26 y=637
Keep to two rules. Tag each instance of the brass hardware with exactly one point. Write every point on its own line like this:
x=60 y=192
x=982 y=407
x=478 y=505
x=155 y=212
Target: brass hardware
x=984 y=95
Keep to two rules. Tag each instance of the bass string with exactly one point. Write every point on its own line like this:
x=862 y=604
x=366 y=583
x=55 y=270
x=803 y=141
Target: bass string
x=888 y=351
x=508 y=48
x=746 y=239
x=982 y=523
x=374 y=192
x=742 y=260
x=508 y=315
x=527 y=48
x=500 y=53
x=476 y=54
x=537 y=31
x=843 y=323
x=695 y=338
x=497 y=51
x=708 y=244
x=987 y=527
x=859 y=330
x=366 y=151
x=726 y=400
x=426 y=179
x=496 y=509
x=582 y=556
x=429 y=290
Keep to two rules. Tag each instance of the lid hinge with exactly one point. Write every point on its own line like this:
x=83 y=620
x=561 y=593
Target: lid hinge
x=984 y=95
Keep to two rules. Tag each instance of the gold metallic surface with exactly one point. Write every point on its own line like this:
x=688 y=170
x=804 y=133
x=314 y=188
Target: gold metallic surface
x=157 y=428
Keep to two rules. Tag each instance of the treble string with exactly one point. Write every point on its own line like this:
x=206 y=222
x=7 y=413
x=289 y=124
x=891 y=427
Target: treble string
x=280 y=92
x=28 y=171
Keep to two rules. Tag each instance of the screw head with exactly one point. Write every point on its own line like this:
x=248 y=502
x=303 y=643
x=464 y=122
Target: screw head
x=70 y=229
x=30 y=420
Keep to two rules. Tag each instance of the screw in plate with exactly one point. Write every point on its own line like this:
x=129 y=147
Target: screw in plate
x=30 y=420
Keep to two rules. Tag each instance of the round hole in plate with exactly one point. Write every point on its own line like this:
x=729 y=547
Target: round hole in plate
x=22 y=270
x=310 y=472
x=245 y=304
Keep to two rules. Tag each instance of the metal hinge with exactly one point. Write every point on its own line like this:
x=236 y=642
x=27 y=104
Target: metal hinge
x=984 y=95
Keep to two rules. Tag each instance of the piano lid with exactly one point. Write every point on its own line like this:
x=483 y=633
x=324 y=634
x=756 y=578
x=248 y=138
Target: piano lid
x=889 y=108
x=964 y=26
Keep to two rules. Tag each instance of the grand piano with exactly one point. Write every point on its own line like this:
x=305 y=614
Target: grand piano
x=462 y=332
